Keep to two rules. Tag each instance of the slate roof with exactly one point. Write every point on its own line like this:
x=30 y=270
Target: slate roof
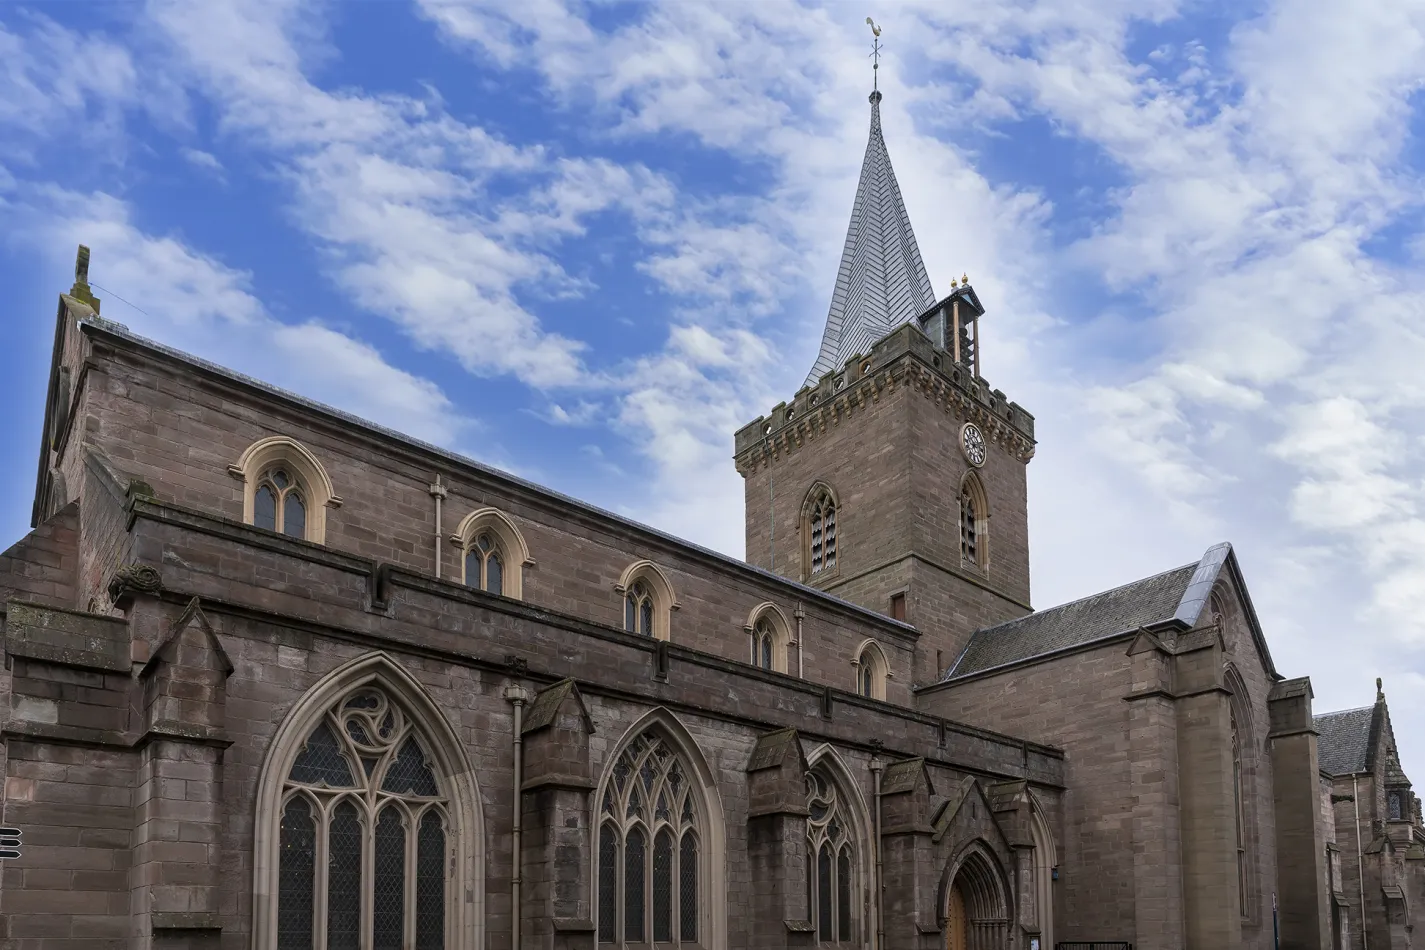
x=1344 y=742
x=881 y=283
x=1121 y=610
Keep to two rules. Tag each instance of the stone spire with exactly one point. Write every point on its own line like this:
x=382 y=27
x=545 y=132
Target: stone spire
x=882 y=282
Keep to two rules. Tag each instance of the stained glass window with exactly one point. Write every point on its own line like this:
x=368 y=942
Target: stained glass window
x=648 y=856
x=821 y=530
x=638 y=610
x=382 y=821
x=388 y=912
x=296 y=863
x=264 y=509
x=294 y=516
x=430 y=884
x=278 y=505
x=831 y=862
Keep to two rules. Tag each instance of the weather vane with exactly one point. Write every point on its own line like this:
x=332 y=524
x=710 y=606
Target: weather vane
x=875 y=51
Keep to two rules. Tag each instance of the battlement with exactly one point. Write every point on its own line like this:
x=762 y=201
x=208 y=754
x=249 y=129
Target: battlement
x=908 y=354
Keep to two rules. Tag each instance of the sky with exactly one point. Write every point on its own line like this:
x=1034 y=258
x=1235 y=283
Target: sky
x=585 y=242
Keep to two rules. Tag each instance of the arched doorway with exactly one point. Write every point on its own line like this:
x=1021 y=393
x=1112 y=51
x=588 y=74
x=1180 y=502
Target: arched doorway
x=977 y=914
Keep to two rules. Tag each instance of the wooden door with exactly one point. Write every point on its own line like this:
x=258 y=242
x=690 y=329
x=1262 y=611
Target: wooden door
x=955 y=923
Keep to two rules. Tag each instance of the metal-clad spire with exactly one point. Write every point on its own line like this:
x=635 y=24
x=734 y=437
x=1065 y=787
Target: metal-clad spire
x=882 y=282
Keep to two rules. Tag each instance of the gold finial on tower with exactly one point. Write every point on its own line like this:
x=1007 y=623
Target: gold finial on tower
x=80 y=290
x=964 y=281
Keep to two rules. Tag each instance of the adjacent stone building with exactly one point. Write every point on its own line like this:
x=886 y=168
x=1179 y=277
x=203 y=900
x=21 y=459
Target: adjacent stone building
x=278 y=678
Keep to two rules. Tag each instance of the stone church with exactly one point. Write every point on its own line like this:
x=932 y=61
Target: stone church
x=281 y=679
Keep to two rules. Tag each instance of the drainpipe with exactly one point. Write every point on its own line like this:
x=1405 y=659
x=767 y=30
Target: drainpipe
x=880 y=920
x=437 y=492
x=517 y=695
x=799 y=613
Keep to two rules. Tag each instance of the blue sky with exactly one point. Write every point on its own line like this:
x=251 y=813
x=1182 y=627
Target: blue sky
x=586 y=241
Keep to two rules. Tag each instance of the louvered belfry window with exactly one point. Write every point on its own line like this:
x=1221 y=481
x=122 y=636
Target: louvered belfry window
x=364 y=841
x=831 y=863
x=822 y=533
x=969 y=526
x=649 y=850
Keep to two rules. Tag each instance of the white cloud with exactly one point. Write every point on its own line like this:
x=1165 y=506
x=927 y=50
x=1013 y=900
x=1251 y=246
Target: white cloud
x=195 y=303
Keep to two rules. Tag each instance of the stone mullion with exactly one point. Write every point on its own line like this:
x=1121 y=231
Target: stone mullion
x=320 y=887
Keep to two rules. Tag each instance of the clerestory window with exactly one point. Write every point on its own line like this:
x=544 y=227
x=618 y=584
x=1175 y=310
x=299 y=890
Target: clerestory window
x=280 y=504
x=763 y=644
x=485 y=564
x=638 y=609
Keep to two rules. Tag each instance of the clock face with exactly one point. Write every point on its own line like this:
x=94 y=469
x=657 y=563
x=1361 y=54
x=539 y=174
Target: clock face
x=972 y=443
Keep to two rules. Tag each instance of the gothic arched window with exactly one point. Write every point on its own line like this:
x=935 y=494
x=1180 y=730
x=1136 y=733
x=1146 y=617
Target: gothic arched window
x=638 y=609
x=1394 y=811
x=974 y=519
x=831 y=863
x=364 y=841
x=285 y=488
x=485 y=564
x=648 y=600
x=819 y=527
x=872 y=671
x=651 y=885
x=763 y=644
x=280 y=504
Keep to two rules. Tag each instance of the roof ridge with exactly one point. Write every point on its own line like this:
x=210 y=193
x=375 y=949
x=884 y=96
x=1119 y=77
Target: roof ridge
x=1342 y=712
x=1070 y=603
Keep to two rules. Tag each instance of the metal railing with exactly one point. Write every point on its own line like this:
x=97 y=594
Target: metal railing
x=1093 y=945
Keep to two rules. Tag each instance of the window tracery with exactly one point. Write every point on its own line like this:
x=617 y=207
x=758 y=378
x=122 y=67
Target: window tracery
x=872 y=671
x=763 y=643
x=831 y=862
x=647 y=600
x=364 y=840
x=819 y=527
x=285 y=488
x=485 y=564
x=280 y=504
x=650 y=879
x=974 y=522
x=638 y=609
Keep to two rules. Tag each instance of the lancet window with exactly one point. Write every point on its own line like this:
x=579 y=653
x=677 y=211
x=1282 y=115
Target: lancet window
x=485 y=564
x=651 y=884
x=763 y=644
x=831 y=863
x=365 y=836
x=638 y=609
x=279 y=504
x=1238 y=802
x=821 y=533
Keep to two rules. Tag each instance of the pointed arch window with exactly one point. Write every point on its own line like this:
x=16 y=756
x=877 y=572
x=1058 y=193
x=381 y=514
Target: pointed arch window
x=493 y=553
x=485 y=564
x=831 y=863
x=872 y=671
x=819 y=528
x=365 y=836
x=285 y=488
x=974 y=523
x=763 y=644
x=650 y=884
x=1238 y=803
x=647 y=601
x=280 y=503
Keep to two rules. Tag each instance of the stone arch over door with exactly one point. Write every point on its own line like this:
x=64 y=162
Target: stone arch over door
x=976 y=904
x=1046 y=860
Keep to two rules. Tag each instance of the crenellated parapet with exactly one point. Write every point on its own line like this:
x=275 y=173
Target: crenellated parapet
x=906 y=358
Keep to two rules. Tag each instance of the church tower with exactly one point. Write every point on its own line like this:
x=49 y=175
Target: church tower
x=895 y=478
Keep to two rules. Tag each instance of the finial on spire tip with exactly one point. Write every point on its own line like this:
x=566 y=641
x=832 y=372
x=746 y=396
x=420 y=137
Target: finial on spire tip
x=80 y=290
x=964 y=281
x=875 y=52
x=1380 y=693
